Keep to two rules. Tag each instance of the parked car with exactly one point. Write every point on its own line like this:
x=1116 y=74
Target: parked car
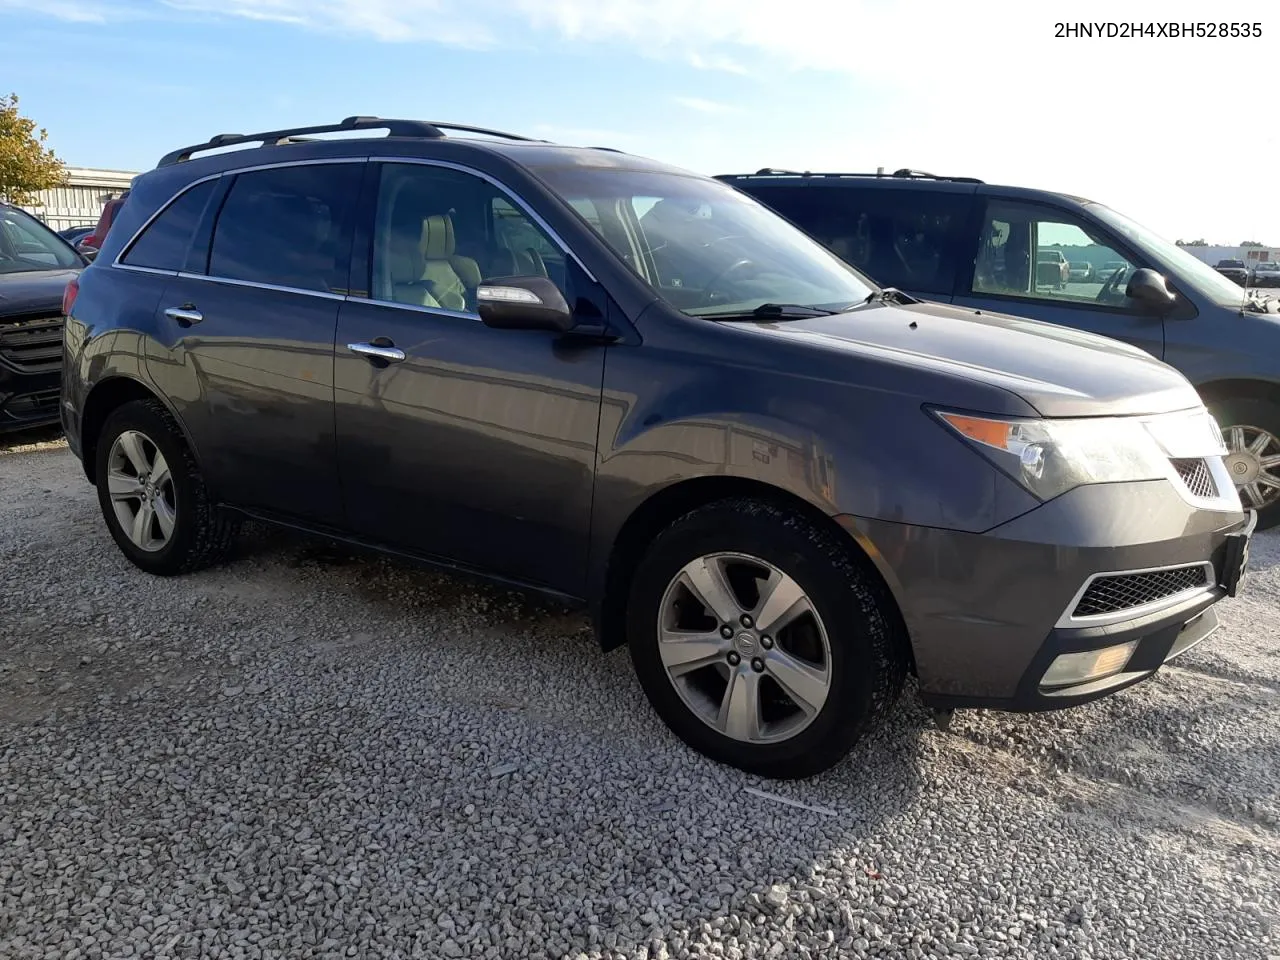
x=1081 y=271
x=1235 y=270
x=35 y=267
x=620 y=383
x=90 y=243
x=1110 y=269
x=1266 y=274
x=1052 y=269
x=958 y=240
x=72 y=234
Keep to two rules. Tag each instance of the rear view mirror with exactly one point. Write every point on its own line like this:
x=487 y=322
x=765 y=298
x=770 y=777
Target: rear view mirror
x=1149 y=288
x=523 y=303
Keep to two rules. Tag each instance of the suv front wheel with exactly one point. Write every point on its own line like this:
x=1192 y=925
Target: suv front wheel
x=760 y=640
x=152 y=494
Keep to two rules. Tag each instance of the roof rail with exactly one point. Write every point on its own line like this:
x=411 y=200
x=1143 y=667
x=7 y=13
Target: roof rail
x=908 y=174
x=904 y=173
x=416 y=129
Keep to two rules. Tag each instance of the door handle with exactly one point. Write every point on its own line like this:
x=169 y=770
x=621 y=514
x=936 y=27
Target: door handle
x=387 y=354
x=185 y=315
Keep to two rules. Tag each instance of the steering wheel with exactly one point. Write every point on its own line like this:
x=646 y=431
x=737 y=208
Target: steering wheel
x=1107 y=293
x=709 y=292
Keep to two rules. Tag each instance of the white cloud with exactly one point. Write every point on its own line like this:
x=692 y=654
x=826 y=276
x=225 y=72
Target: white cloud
x=72 y=11
x=984 y=89
x=699 y=105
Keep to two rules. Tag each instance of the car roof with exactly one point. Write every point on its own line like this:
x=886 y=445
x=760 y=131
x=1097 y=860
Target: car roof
x=403 y=137
x=901 y=179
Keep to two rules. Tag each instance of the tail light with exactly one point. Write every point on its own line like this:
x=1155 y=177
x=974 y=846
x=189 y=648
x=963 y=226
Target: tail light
x=69 y=296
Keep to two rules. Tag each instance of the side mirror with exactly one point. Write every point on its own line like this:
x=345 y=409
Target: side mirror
x=523 y=303
x=89 y=253
x=1150 y=289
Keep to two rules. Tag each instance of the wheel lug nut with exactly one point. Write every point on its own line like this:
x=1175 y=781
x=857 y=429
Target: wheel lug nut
x=746 y=620
x=766 y=642
x=757 y=665
x=726 y=631
x=734 y=659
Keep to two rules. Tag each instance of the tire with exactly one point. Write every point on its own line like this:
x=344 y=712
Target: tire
x=1250 y=415
x=199 y=534
x=862 y=657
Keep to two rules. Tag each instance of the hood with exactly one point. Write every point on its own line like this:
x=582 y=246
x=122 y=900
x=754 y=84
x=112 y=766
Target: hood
x=1059 y=371
x=34 y=291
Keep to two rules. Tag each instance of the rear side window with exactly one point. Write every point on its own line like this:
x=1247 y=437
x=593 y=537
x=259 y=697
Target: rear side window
x=287 y=227
x=164 y=244
x=899 y=238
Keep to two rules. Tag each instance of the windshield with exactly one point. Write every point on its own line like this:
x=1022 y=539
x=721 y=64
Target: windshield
x=704 y=247
x=27 y=245
x=1182 y=266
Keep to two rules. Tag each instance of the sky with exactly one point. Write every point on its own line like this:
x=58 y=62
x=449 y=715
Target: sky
x=1158 y=128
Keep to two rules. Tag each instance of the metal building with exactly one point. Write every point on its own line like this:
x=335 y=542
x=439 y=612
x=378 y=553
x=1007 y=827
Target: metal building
x=81 y=199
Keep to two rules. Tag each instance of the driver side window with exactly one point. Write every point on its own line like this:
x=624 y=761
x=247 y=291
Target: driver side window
x=1037 y=253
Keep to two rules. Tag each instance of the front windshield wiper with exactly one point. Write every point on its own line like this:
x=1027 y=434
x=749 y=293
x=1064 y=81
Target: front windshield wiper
x=773 y=311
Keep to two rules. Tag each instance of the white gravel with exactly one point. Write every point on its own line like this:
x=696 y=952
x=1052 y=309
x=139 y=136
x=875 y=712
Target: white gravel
x=306 y=754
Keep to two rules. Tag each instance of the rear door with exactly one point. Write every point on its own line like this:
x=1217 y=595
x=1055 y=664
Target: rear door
x=896 y=233
x=246 y=334
x=1008 y=271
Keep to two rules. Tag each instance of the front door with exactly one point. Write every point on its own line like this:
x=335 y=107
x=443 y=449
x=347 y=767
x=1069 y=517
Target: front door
x=246 y=349
x=1038 y=261
x=479 y=446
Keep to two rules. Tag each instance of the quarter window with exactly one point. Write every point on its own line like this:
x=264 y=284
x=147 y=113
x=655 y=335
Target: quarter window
x=1037 y=253
x=285 y=227
x=439 y=233
x=165 y=243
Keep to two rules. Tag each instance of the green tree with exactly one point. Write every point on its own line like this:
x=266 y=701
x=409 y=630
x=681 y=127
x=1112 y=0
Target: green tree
x=27 y=166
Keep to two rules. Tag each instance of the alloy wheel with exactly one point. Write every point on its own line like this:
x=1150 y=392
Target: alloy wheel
x=141 y=489
x=1253 y=460
x=744 y=647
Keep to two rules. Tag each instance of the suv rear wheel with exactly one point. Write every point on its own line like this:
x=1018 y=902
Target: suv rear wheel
x=152 y=494
x=760 y=640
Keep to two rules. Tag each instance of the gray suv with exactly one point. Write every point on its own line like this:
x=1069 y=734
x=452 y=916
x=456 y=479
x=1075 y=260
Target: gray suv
x=983 y=246
x=624 y=385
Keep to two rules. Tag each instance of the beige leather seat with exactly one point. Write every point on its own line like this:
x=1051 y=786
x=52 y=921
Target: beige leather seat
x=448 y=277
x=404 y=260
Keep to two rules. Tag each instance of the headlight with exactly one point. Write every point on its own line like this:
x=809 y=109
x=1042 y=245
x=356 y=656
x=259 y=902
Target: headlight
x=1050 y=457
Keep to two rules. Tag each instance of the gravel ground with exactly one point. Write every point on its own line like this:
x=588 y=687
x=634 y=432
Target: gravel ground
x=307 y=753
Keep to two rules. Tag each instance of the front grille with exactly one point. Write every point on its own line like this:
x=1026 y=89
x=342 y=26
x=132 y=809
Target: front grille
x=1195 y=474
x=32 y=343
x=1111 y=594
x=41 y=405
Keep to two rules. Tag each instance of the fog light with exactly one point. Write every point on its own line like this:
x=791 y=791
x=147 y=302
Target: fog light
x=1072 y=668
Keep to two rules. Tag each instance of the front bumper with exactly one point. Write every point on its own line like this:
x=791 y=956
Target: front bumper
x=27 y=399
x=30 y=372
x=989 y=614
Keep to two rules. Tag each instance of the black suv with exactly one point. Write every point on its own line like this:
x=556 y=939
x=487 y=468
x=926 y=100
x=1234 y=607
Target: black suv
x=620 y=383
x=35 y=266
x=959 y=240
